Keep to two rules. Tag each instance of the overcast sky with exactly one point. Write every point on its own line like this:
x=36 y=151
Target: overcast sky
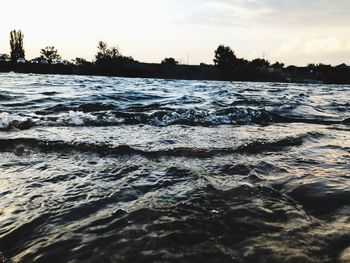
x=293 y=31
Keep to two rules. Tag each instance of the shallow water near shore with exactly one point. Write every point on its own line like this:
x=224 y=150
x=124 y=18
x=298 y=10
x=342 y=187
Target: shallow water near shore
x=98 y=169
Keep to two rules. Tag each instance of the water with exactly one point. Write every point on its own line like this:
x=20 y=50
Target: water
x=97 y=169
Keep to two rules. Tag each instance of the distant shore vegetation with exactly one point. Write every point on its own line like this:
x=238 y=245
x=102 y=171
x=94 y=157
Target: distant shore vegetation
x=110 y=61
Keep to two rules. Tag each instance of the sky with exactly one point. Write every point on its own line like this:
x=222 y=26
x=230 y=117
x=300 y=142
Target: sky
x=294 y=32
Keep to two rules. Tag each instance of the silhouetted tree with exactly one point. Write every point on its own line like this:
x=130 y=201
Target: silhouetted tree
x=16 y=44
x=110 y=55
x=225 y=59
x=278 y=65
x=4 y=57
x=126 y=59
x=105 y=54
x=80 y=61
x=50 y=53
x=241 y=62
x=169 y=61
x=323 y=67
x=320 y=67
x=260 y=63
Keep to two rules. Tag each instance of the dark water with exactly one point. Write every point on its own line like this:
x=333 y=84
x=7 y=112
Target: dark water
x=96 y=169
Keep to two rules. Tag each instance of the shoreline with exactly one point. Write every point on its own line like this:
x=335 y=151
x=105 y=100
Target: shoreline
x=186 y=72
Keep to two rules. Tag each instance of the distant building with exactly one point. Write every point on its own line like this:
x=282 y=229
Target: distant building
x=21 y=61
x=35 y=61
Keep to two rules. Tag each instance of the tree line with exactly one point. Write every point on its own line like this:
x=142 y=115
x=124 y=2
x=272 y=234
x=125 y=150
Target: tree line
x=105 y=54
x=225 y=59
x=49 y=54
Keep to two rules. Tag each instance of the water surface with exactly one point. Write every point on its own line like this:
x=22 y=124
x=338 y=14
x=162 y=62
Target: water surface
x=97 y=169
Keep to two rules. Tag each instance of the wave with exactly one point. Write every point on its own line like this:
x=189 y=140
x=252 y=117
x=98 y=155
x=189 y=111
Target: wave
x=87 y=107
x=254 y=147
x=101 y=115
x=6 y=97
x=14 y=121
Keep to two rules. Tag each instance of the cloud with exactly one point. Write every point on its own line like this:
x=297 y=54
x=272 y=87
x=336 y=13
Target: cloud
x=288 y=46
x=330 y=49
x=282 y=12
x=291 y=31
x=326 y=46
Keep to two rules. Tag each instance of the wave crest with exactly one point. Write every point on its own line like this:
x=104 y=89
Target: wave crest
x=253 y=147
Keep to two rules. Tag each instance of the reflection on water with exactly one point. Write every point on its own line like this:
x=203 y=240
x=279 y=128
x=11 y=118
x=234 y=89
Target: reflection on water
x=97 y=169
